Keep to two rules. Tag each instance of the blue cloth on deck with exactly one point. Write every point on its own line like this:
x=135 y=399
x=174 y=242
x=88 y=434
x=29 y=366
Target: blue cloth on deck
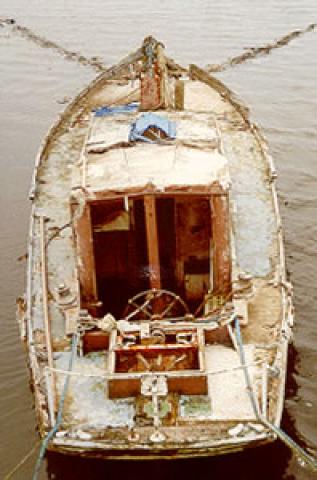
x=104 y=111
x=148 y=120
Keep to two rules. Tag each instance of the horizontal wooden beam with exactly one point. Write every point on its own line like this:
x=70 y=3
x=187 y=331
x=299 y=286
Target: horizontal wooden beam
x=204 y=190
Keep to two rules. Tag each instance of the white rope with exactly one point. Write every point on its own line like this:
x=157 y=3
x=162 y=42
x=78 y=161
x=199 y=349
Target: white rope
x=306 y=458
x=101 y=375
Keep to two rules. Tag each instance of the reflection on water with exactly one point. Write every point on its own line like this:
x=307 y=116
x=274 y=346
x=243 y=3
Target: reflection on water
x=254 y=464
x=280 y=89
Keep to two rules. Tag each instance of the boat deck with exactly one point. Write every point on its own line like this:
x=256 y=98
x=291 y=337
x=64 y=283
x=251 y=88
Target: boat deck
x=88 y=409
x=254 y=228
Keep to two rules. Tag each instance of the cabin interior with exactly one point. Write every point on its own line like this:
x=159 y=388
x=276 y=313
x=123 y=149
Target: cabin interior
x=163 y=242
x=145 y=243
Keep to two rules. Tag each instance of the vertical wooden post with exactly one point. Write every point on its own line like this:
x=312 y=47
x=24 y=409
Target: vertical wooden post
x=86 y=257
x=165 y=93
x=83 y=155
x=47 y=323
x=152 y=241
x=221 y=238
x=179 y=95
x=264 y=389
x=150 y=91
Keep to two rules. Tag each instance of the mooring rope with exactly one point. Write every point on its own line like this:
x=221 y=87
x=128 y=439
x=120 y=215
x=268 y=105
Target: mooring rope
x=43 y=42
x=59 y=416
x=254 y=52
x=93 y=62
x=297 y=450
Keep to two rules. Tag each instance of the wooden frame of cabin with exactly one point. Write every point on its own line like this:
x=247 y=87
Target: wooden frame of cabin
x=218 y=199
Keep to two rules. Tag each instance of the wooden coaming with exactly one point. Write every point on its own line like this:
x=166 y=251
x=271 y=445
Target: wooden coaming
x=221 y=244
x=85 y=253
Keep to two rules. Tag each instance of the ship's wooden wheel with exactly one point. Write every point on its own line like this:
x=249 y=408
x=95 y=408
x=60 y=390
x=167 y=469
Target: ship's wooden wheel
x=155 y=304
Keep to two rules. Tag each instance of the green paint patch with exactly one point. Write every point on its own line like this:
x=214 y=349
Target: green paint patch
x=195 y=406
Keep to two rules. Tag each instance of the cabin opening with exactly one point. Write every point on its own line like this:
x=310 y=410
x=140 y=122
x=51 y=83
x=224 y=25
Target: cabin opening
x=155 y=242
x=119 y=247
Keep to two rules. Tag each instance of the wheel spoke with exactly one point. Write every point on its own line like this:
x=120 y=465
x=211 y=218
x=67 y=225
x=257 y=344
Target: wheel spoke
x=169 y=307
x=150 y=297
x=139 y=308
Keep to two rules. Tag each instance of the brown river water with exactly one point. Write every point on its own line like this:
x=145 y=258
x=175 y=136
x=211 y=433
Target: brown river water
x=280 y=89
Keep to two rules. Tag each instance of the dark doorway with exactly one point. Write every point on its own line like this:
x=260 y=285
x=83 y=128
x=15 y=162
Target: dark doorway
x=120 y=252
x=167 y=241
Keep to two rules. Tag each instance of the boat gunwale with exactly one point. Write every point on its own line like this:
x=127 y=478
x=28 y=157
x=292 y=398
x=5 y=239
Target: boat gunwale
x=199 y=449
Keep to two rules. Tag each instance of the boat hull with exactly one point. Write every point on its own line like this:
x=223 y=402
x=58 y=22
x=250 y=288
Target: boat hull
x=238 y=139
x=107 y=452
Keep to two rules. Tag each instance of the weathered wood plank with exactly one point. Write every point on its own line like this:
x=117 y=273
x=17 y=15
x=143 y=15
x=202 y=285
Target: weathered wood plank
x=197 y=73
x=221 y=240
x=152 y=241
x=45 y=302
x=86 y=258
x=179 y=95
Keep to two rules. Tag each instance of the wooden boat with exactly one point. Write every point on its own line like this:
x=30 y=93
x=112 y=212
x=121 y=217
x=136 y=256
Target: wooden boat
x=157 y=315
